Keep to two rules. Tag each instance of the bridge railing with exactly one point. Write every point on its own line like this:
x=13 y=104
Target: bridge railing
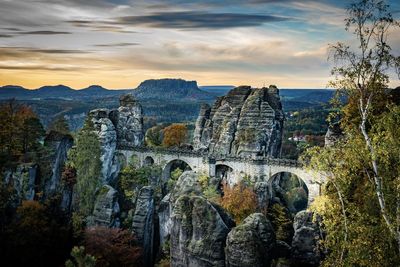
x=216 y=157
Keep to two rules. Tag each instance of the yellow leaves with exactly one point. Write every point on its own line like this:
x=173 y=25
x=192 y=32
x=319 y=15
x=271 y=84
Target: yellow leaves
x=239 y=200
x=175 y=135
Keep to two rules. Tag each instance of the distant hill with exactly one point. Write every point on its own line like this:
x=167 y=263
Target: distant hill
x=171 y=89
x=217 y=90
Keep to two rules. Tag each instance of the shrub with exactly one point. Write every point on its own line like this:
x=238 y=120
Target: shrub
x=239 y=200
x=112 y=247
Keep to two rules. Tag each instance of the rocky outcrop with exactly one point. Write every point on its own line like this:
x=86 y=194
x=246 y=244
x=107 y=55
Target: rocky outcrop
x=59 y=144
x=198 y=233
x=106 y=208
x=262 y=191
x=245 y=122
x=128 y=121
x=307 y=235
x=122 y=127
x=251 y=243
x=143 y=223
x=23 y=179
x=105 y=130
x=333 y=135
x=164 y=218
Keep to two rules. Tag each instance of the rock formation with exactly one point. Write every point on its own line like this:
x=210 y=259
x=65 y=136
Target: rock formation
x=245 y=122
x=307 y=234
x=122 y=127
x=128 y=121
x=59 y=145
x=23 y=180
x=143 y=223
x=198 y=233
x=333 y=135
x=106 y=208
x=251 y=243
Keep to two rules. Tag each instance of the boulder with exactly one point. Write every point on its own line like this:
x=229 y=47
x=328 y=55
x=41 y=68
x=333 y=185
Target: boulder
x=143 y=223
x=305 y=243
x=198 y=233
x=106 y=208
x=251 y=243
x=245 y=122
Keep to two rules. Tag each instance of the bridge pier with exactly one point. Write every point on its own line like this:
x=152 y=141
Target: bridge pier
x=212 y=167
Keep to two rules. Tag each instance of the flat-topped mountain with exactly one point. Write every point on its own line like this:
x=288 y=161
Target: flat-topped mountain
x=170 y=89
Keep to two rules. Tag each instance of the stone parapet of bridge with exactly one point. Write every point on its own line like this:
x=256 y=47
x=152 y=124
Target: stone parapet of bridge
x=257 y=168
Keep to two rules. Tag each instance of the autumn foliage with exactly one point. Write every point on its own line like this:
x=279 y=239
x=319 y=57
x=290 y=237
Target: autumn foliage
x=112 y=247
x=239 y=200
x=175 y=135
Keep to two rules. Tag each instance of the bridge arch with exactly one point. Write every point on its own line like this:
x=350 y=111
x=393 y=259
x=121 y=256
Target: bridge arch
x=148 y=161
x=173 y=165
x=310 y=179
x=290 y=189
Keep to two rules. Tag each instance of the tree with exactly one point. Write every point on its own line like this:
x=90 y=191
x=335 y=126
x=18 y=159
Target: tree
x=154 y=136
x=239 y=200
x=363 y=74
x=20 y=130
x=59 y=124
x=175 y=135
x=81 y=259
x=30 y=133
x=85 y=158
x=113 y=247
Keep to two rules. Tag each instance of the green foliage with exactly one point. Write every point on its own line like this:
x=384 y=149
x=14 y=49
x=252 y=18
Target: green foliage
x=281 y=221
x=85 y=158
x=154 y=136
x=175 y=174
x=80 y=258
x=211 y=193
x=60 y=125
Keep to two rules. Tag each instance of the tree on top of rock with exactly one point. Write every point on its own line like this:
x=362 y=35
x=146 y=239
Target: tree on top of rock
x=60 y=125
x=175 y=135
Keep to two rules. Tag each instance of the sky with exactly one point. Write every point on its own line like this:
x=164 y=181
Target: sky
x=119 y=43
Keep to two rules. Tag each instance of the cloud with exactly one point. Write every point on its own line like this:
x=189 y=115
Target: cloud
x=117 y=45
x=43 y=32
x=198 y=20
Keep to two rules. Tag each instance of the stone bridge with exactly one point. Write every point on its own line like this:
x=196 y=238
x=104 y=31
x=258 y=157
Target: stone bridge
x=234 y=169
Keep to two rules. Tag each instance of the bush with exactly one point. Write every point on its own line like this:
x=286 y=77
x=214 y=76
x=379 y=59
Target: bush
x=112 y=247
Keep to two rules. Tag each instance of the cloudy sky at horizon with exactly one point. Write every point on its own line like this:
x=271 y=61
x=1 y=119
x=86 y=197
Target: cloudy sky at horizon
x=119 y=43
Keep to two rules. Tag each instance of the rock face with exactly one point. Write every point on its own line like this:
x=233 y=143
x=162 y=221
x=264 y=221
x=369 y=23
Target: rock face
x=333 y=135
x=106 y=208
x=245 y=122
x=59 y=144
x=262 y=191
x=23 y=179
x=128 y=121
x=122 y=127
x=251 y=243
x=143 y=223
x=170 y=89
x=305 y=251
x=198 y=233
